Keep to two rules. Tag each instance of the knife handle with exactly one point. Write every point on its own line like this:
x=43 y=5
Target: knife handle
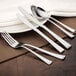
x=55 y=45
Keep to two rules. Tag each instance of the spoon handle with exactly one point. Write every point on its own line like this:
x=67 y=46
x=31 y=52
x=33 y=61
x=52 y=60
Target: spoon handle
x=62 y=29
x=63 y=25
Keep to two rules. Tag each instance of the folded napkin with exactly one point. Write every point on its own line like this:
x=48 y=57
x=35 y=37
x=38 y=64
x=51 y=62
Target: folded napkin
x=31 y=37
x=9 y=8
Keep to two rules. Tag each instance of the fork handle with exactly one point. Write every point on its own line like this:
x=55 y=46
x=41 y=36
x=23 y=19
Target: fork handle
x=46 y=52
x=47 y=61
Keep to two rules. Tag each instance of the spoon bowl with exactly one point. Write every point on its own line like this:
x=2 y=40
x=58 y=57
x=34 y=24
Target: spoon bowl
x=35 y=13
x=38 y=11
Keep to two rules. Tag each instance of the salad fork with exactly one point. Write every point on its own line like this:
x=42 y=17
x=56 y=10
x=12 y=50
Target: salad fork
x=15 y=44
x=12 y=42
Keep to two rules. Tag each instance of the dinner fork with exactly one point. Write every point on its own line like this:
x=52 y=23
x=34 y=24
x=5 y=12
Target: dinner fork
x=15 y=44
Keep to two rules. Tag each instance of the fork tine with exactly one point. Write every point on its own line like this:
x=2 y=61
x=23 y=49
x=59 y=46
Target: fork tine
x=9 y=37
x=6 y=39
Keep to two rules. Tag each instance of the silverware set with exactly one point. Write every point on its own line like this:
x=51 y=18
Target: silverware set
x=33 y=20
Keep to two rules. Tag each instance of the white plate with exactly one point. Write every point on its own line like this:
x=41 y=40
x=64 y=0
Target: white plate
x=8 y=9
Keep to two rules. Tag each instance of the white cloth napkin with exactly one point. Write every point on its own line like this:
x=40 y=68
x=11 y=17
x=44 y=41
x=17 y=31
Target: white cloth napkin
x=9 y=8
x=63 y=8
x=63 y=5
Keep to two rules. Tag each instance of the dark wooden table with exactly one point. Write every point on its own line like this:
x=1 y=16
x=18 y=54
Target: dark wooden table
x=29 y=65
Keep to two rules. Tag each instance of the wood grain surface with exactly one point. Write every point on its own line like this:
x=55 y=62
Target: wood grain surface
x=26 y=64
x=29 y=65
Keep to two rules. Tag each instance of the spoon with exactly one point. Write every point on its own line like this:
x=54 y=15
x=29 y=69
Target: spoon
x=40 y=13
x=62 y=41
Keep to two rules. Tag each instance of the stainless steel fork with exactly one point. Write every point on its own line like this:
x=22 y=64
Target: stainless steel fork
x=58 y=56
x=15 y=44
